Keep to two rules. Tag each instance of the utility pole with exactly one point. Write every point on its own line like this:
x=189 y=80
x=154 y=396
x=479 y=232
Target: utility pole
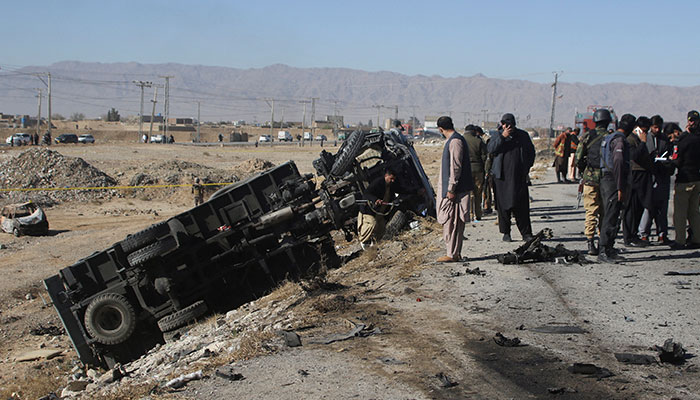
x=38 y=114
x=313 y=116
x=486 y=118
x=142 y=84
x=153 y=112
x=465 y=117
x=554 y=100
x=378 y=107
x=396 y=113
x=303 y=118
x=166 y=105
x=271 y=103
x=198 y=122
x=49 y=78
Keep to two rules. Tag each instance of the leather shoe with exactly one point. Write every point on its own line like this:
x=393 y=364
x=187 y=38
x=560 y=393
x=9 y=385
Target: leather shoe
x=692 y=245
x=527 y=238
x=636 y=243
x=506 y=237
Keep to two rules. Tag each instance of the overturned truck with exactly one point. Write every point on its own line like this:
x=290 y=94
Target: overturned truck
x=242 y=242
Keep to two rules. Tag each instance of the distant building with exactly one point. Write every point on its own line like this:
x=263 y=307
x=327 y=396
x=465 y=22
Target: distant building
x=336 y=120
x=430 y=124
x=158 y=119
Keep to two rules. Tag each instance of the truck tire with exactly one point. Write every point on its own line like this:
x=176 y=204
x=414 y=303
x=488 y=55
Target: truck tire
x=397 y=222
x=144 y=237
x=16 y=232
x=110 y=318
x=347 y=153
x=151 y=251
x=182 y=317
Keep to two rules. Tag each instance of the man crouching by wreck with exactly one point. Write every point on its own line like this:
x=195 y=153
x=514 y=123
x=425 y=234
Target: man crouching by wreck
x=454 y=185
x=379 y=195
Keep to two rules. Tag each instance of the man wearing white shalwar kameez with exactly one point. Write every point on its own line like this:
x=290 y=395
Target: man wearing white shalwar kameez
x=454 y=187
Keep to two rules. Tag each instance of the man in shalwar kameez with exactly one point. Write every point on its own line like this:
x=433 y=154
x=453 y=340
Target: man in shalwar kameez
x=454 y=186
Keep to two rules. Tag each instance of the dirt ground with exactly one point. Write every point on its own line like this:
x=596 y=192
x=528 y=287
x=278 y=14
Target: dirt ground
x=430 y=320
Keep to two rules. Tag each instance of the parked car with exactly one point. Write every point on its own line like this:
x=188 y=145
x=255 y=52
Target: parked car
x=67 y=138
x=19 y=139
x=308 y=136
x=321 y=137
x=264 y=138
x=284 y=136
x=158 y=139
x=86 y=138
x=24 y=219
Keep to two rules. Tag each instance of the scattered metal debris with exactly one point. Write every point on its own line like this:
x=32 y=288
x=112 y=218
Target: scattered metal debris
x=228 y=373
x=637 y=359
x=445 y=380
x=559 y=329
x=671 y=352
x=505 y=342
x=590 y=369
x=559 y=390
x=475 y=271
x=360 y=330
x=534 y=251
x=51 y=330
x=684 y=273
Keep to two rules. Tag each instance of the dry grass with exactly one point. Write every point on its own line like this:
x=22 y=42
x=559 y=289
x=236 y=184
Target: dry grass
x=34 y=385
x=286 y=290
x=330 y=303
x=253 y=344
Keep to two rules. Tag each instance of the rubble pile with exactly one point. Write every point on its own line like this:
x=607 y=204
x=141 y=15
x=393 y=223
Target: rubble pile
x=202 y=347
x=44 y=168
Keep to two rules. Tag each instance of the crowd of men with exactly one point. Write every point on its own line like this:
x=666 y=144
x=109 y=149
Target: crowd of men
x=625 y=173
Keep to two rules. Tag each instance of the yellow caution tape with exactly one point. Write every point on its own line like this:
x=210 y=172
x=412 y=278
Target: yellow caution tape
x=108 y=187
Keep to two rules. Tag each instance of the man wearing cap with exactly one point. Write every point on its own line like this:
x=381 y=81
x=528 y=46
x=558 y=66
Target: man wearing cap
x=514 y=155
x=454 y=185
x=614 y=185
x=477 y=156
x=686 y=194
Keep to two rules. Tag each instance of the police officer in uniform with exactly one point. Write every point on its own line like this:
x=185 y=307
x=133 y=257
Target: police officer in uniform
x=614 y=185
x=588 y=156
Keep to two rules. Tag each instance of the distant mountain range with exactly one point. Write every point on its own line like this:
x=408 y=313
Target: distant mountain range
x=238 y=94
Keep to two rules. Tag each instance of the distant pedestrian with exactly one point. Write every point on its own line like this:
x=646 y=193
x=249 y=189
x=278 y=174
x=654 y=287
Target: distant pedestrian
x=198 y=192
x=454 y=185
x=514 y=155
x=588 y=159
x=145 y=138
x=686 y=193
x=221 y=138
x=572 y=154
x=562 y=150
x=477 y=158
x=614 y=185
x=36 y=138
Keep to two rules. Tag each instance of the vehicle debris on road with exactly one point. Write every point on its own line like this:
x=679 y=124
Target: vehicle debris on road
x=535 y=251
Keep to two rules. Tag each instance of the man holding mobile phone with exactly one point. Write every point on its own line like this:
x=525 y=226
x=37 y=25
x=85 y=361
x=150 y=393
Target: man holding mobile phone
x=514 y=155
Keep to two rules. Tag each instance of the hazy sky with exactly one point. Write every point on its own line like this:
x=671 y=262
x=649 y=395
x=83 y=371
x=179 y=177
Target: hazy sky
x=590 y=41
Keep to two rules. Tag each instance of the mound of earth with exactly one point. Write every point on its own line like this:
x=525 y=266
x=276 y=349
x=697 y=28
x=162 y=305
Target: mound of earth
x=44 y=168
x=178 y=172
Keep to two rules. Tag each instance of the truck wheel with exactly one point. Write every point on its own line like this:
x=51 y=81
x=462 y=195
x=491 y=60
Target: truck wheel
x=151 y=251
x=15 y=232
x=347 y=153
x=110 y=318
x=182 y=317
x=144 y=237
x=397 y=222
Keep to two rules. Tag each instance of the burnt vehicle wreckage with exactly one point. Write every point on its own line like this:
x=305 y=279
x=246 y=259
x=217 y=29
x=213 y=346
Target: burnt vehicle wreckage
x=240 y=244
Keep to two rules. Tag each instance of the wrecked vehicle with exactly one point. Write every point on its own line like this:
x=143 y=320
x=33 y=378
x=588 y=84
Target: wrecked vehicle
x=237 y=246
x=24 y=219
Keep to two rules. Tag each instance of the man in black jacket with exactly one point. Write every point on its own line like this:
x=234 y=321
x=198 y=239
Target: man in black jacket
x=659 y=147
x=639 y=196
x=514 y=155
x=686 y=194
